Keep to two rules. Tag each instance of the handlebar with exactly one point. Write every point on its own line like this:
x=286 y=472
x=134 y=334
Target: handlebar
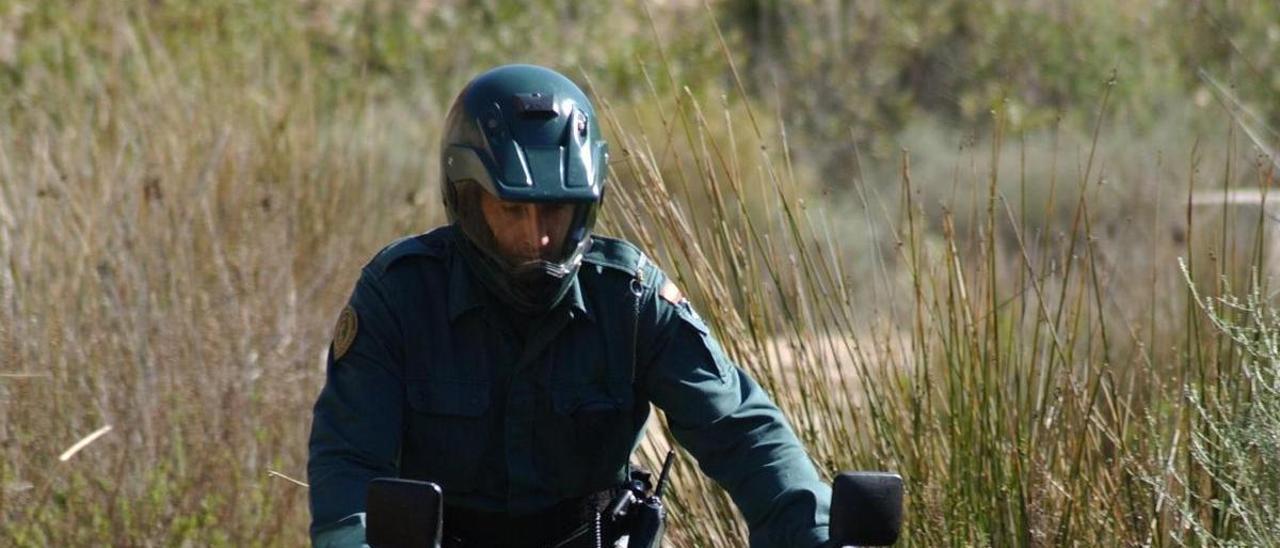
x=866 y=510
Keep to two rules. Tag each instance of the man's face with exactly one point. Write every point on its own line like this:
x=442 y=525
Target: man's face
x=527 y=232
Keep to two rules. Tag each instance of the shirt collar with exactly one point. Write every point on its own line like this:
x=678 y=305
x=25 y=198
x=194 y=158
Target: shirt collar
x=465 y=294
x=575 y=299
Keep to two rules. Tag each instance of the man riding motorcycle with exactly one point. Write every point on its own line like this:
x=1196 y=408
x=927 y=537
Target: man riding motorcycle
x=511 y=356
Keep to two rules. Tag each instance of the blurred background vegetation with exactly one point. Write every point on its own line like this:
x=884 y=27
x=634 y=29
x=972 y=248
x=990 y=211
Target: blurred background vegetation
x=968 y=216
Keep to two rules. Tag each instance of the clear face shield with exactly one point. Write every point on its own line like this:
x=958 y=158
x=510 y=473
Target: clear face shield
x=528 y=251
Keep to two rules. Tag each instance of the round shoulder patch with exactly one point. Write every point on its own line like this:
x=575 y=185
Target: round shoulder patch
x=344 y=332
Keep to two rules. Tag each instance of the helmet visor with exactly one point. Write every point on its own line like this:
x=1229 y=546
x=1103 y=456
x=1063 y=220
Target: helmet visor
x=525 y=238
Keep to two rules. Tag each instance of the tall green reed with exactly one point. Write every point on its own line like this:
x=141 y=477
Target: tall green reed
x=1030 y=387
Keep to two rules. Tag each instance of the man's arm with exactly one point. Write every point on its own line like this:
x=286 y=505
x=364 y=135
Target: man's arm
x=355 y=429
x=737 y=434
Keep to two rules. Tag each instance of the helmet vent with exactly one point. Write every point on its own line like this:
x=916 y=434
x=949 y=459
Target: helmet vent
x=536 y=105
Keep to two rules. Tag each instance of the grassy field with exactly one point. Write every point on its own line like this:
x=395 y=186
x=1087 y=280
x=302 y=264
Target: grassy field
x=1006 y=257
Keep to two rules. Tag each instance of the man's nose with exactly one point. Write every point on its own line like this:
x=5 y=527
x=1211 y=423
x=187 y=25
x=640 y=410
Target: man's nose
x=536 y=231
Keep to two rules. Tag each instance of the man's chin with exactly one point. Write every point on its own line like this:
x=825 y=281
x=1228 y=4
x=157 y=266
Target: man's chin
x=524 y=263
x=528 y=262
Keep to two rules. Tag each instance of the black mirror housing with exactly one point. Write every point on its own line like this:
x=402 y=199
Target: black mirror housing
x=404 y=513
x=866 y=509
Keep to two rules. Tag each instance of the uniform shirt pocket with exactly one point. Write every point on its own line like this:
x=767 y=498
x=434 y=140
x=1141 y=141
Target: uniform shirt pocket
x=592 y=411
x=588 y=437
x=445 y=436
x=449 y=398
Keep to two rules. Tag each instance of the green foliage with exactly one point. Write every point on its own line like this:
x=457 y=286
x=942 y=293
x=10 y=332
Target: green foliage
x=867 y=70
x=1234 y=453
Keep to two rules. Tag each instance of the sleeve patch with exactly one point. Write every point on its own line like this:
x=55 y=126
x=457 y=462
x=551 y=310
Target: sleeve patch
x=671 y=293
x=344 y=332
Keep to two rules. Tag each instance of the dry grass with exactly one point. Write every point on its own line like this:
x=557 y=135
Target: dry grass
x=1028 y=380
x=182 y=212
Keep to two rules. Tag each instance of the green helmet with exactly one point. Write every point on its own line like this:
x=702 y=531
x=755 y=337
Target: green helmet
x=524 y=134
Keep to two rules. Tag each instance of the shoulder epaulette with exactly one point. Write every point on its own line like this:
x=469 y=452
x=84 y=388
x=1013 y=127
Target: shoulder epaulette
x=431 y=244
x=616 y=254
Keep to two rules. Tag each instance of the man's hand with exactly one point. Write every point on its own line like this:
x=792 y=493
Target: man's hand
x=347 y=533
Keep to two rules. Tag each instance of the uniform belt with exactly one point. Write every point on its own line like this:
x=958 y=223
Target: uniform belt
x=470 y=528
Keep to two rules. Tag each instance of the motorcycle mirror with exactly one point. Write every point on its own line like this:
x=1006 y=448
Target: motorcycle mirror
x=404 y=513
x=866 y=509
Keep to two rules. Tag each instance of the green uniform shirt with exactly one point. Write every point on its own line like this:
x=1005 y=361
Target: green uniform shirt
x=430 y=379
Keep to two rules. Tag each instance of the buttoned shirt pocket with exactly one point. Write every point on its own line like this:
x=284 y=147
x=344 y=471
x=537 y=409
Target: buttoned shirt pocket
x=445 y=431
x=589 y=437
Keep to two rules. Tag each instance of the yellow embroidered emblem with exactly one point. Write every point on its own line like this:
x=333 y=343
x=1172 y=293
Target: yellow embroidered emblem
x=671 y=293
x=344 y=332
